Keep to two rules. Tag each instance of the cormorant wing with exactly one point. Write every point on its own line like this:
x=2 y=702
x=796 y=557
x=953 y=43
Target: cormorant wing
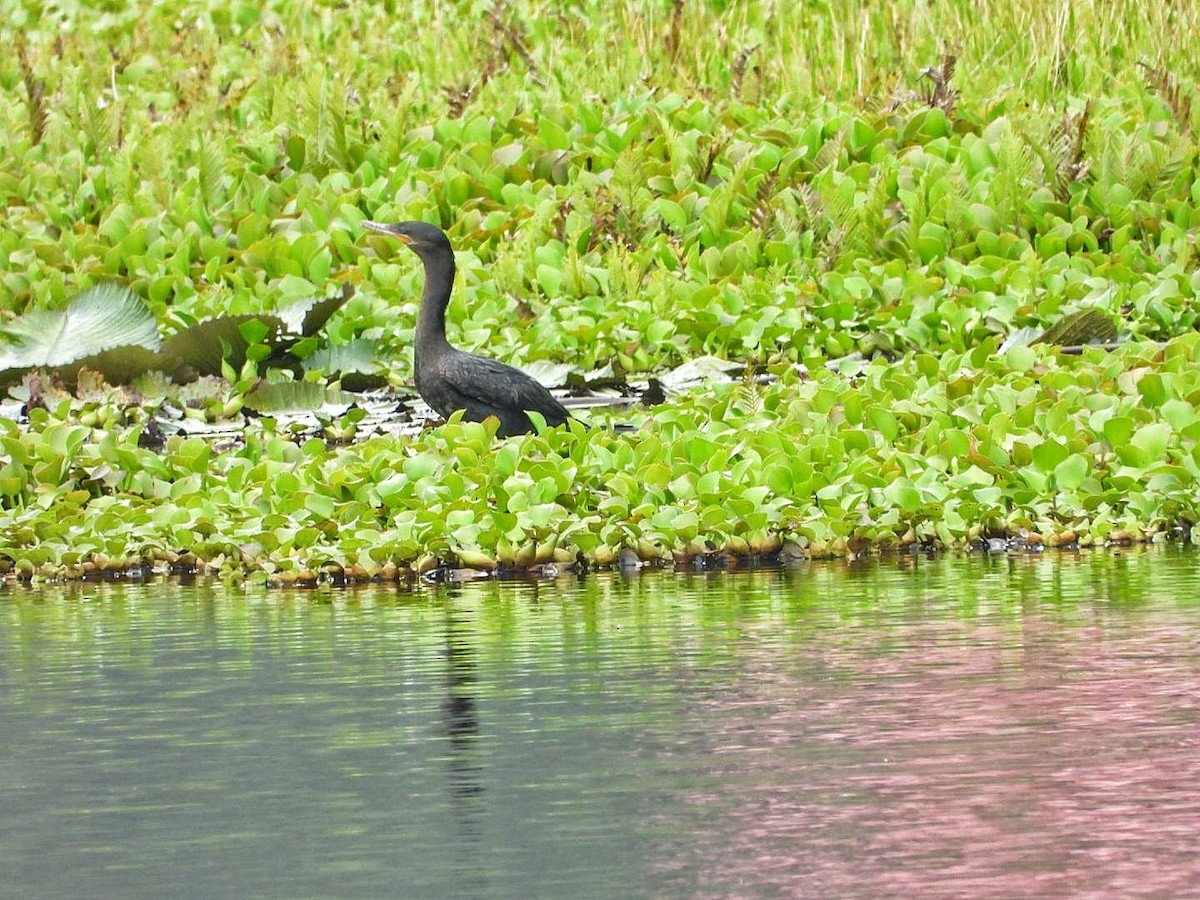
x=489 y=382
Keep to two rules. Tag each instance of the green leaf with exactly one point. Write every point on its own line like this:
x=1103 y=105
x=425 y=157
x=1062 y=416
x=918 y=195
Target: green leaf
x=254 y=331
x=552 y=135
x=507 y=458
x=550 y=280
x=1118 y=430
x=778 y=478
x=423 y=465
x=107 y=327
x=319 y=505
x=1069 y=474
x=1020 y=359
x=884 y=422
x=1153 y=440
x=1048 y=455
x=1179 y=414
x=670 y=212
x=902 y=493
x=1152 y=389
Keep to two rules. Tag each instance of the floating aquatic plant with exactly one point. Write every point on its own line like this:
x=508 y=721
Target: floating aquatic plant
x=785 y=193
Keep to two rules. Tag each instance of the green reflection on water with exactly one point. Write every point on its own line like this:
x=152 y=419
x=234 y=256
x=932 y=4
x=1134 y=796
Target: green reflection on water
x=654 y=614
x=497 y=735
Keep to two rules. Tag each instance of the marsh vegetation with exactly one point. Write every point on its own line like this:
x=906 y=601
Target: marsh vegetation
x=852 y=206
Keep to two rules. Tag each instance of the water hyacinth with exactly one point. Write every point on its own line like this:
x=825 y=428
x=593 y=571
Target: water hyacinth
x=834 y=205
x=940 y=453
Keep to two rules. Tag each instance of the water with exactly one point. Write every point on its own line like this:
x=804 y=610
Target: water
x=1021 y=727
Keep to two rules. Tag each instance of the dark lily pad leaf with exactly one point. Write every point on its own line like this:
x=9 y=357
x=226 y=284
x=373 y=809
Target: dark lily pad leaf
x=310 y=396
x=118 y=366
x=307 y=317
x=199 y=350
x=108 y=328
x=355 y=362
x=1087 y=326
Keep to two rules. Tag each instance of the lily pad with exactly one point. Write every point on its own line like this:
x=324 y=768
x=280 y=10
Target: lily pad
x=308 y=316
x=281 y=396
x=547 y=373
x=200 y=349
x=1087 y=326
x=107 y=328
x=355 y=362
x=699 y=370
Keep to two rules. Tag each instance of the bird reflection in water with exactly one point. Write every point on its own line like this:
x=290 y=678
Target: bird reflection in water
x=461 y=722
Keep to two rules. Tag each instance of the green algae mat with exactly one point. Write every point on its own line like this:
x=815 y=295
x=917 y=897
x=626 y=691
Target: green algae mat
x=865 y=212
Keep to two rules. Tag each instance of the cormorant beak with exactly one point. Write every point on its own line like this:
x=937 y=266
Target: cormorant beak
x=384 y=228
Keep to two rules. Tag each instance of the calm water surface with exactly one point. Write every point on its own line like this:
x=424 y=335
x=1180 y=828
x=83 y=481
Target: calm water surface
x=939 y=728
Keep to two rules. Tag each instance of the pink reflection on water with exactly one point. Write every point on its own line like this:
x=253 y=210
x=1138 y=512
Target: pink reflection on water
x=1026 y=759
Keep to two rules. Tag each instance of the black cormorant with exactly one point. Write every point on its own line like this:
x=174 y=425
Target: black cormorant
x=449 y=379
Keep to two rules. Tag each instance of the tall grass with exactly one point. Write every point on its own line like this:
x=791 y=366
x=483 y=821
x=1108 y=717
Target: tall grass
x=839 y=49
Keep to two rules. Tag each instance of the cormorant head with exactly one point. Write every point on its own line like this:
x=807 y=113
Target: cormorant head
x=420 y=237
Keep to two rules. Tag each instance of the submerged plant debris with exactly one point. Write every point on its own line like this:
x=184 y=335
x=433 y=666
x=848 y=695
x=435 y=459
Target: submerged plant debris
x=839 y=255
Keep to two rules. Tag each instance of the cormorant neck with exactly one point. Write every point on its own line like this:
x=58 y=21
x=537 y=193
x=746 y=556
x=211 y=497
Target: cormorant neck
x=431 y=318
